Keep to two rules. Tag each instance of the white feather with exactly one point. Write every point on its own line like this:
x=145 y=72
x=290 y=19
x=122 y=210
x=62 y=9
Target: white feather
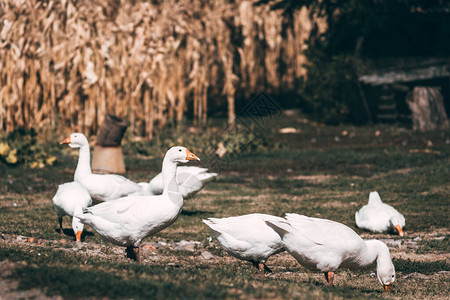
x=377 y=216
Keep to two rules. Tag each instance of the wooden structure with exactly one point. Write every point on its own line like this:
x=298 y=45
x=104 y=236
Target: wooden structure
x=108 y=156
x=393 y=92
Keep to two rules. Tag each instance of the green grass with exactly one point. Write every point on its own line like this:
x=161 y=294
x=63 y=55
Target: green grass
x=310 y=173
x=60 y=273
x=433 y=246
x=408 y=266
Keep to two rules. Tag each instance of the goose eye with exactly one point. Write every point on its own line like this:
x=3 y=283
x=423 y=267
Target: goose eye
x=393 y=276
x=179 y=150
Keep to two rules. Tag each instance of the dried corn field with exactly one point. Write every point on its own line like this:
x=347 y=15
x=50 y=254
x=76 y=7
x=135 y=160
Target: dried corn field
x=68 y=63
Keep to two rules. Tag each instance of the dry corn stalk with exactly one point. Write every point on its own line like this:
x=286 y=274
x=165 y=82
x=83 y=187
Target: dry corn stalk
x=68 y=63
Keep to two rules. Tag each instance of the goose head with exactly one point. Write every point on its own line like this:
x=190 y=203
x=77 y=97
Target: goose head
x=180 y=154
x=76 y=140
x=386 y=275
x=385 y=267
x=77 y=227
x=395 y=223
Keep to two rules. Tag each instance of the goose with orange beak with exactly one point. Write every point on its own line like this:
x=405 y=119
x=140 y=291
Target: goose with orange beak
x=191 y=179
x=324 y=245
x=377 y=216
x=129 y=220
x=71 y=198
x=107 y=187
x=101 y=187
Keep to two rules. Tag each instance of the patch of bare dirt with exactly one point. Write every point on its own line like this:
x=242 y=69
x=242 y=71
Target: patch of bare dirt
x=429 y=257
x=315 y=179
x=339 y=204
x=208 y=192
x=444 y=275
x=259 y=197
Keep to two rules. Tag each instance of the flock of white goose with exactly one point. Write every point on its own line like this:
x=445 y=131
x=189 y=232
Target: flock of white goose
x=127 y=212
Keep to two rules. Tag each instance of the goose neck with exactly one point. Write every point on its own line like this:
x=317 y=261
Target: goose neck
x=371 y=253
x=169 y=172
x=84 y=162
x=384 y=256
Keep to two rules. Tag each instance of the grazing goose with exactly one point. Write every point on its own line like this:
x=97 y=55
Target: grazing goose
x=379 y=217
x=101 y=187
x=127 y=221
x=191 y=179
x=71 y=198
x=324 y=245
x=247 y=237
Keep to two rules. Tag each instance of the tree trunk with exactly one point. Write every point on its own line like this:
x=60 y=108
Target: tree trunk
x=427 y=107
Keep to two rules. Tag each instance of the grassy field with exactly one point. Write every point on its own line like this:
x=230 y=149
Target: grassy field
x=319 y=171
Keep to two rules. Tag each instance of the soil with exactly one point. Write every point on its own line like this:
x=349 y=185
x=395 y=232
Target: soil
x=151 y=252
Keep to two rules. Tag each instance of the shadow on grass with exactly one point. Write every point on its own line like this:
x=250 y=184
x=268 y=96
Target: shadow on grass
x=195 y=212
x=99 y=278
x=407 y=266
x=67 y=232
x=74 y=283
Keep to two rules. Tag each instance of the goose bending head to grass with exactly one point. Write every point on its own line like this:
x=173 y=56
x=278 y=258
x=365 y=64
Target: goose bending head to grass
x=101 y=187
x=247 y=237
x=127 y=221
x=324 y=245
x=71 y=198
x=191 y=180
x=377 y=216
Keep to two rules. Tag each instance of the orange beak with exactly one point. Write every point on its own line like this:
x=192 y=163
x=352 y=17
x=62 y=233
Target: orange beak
x=387 y=288
x=66 y=141
x=191 y=156
x=400 y=230
x=78 y=236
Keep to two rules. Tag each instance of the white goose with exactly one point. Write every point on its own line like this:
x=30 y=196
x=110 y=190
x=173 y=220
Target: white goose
x=110 y=187
x=379 y=217
x=127 y=221
x=247 y=237
x=191 y=179
x=101 y=187
x=324 y=245
x=71 y=198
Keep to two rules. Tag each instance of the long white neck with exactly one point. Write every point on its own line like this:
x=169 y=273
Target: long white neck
x=376 y=250
x=170 y=185
x=84 y=162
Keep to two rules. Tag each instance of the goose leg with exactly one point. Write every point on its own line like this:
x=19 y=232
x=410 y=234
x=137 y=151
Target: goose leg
x=78 y=236
x=61 y=231
x=267 y=269
x=133 y=253
x=261 y=269
x=130 y=253
x=259 y=266
x=137 y=251
x=329 y=277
